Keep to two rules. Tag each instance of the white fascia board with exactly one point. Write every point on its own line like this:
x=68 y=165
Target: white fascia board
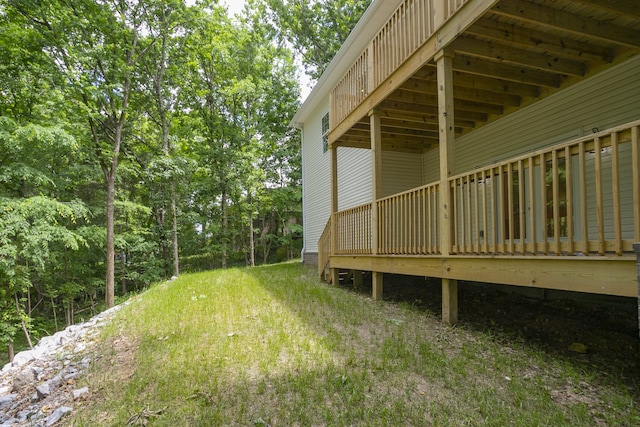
x=376 y=15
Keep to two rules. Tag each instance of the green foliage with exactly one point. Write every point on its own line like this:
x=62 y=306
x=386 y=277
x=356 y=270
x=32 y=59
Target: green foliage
x=149 y=128
x=316 y=29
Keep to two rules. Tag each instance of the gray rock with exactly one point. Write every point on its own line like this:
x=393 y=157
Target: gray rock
x=7 y=400
x=57 y=415
x=80 y=392
x=43 y=390
x=22 y=358
x=24 y=379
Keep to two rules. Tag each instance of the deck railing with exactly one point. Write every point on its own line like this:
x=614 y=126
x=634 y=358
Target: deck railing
x=324 y=248
x=577 y=198
x=354 y=230
x=403 y=34
x=409 y=222
x=581 y=197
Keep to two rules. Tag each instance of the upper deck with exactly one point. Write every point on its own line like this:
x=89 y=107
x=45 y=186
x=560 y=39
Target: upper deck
x=506 y=55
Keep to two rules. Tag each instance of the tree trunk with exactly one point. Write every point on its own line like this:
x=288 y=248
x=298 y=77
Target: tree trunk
x=10 y=351
x=22 y=324
x=225 y=225
x=252 y=245
x=55 y=316
x=109 y=297
x=174 y=215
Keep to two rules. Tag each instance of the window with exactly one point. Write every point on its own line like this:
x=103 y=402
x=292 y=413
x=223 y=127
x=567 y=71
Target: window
x=325 y=133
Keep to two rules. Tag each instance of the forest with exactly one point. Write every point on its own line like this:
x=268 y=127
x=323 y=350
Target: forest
x=144 y=138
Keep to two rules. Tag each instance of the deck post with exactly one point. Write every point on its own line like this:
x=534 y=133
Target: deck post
x=357 y=279
x=446 y=130
x=376 y=285
x=636 y=249
x=334 y=211
x=376 y=193
x=449 y=301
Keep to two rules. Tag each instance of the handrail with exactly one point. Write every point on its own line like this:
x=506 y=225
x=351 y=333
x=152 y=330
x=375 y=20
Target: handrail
x=580 y=197
x=324 y=248
x=410 y=26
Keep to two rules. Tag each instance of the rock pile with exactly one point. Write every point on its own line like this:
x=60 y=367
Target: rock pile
x=40 y=386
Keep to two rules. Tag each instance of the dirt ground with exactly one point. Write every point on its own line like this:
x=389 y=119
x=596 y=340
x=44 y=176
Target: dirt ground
x=599 y=332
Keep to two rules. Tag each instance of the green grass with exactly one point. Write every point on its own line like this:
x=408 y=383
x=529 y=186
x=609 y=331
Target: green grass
x=274 y=346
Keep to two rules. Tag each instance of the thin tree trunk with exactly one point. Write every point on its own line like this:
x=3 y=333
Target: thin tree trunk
x=109 y=297
x=55 y=316
x=252 y=245
x=225 y=225
x=10 y=351
x=174 y=215
x=24 y=326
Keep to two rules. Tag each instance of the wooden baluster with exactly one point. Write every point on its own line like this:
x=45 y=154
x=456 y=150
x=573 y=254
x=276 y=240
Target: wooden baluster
x=582 y=171
x=568 y=173
x=635 y=154
x=555 y=179
x=532 y=207
x=543 y=195
x=597 y=146
x=615 y=184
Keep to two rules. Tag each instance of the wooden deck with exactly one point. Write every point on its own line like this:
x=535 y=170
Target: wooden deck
x=565 y=221
x=563 y=217
x=506 y=54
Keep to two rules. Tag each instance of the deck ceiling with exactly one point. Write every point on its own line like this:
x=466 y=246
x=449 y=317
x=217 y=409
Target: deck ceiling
x=517 y=53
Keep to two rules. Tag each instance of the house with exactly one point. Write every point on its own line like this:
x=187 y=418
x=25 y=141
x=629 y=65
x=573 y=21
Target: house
x=486 y=140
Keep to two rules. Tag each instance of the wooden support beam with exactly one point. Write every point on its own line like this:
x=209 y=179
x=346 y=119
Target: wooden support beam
x=463 y=93
x=564 y=21
x=490 y=84
x=406 y=107
x=446 y=116
x=376 y=176
x=518 y=57
x=623 y=7
x=334 y=276
x=508 y=72
x=539 y=41
x=334 y=206
x=477 y=106
x=607 y=275
x=392 y=118
x=449 y=301
x=357 y=279
x=376 y=285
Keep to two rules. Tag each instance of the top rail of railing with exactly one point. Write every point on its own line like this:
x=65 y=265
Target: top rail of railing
x=410 y=26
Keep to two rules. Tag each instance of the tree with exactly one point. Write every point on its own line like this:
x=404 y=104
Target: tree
x=160 y=77
x=31 y=220
x=315 y=28
x=96 y=58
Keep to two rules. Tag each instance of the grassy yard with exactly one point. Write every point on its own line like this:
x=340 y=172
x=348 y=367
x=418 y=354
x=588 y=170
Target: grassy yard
x=274 y=346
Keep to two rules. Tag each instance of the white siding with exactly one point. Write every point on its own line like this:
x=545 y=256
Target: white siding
x=354 y=177
x=316 y=186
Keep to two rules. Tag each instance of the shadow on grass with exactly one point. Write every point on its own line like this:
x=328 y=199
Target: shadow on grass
x=546 y=321
x=551 y=321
